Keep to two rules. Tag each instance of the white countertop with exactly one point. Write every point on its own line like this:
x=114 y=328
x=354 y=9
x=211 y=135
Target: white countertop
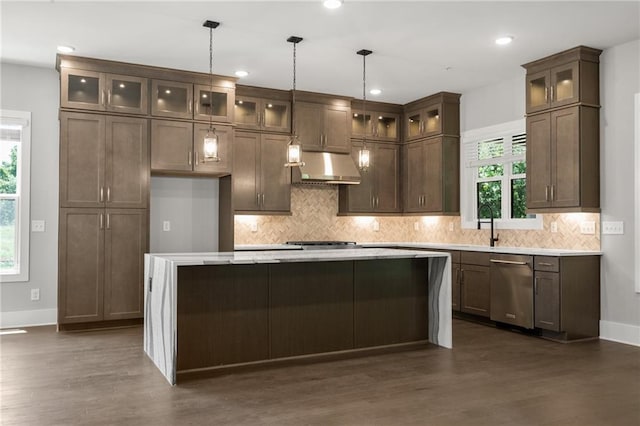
x=281 y=256
x=440 y=246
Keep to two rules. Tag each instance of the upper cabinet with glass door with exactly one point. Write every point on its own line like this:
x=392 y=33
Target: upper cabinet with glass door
x=381 y=121
x=91 y=90
x=171 y=99
x=214 y=103
x=434 y=115
x=562 y=79
x=262 y=109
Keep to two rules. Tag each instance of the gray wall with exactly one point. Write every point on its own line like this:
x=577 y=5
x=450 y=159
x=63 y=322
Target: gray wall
x=36 y=90
x=499 y=103
x=619 y=81
x=191 y=206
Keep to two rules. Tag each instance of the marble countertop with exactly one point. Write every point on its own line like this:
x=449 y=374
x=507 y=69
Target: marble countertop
x=282 y=256
x=440 y=246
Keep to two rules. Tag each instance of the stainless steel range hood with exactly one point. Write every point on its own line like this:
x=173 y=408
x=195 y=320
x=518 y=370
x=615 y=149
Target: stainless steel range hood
x=326 y=167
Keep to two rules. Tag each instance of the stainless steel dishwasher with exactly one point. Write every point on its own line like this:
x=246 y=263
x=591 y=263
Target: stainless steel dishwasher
x=512 y=289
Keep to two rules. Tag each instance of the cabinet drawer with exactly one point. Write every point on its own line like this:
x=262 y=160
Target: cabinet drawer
x=475 y=258
x=546 y=263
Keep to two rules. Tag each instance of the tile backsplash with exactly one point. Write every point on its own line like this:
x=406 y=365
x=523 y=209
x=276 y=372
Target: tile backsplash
x=314 y=217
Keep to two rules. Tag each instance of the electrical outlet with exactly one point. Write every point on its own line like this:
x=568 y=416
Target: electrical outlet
x=416 y=226
x=588 y=228
x=254 y=227
x=613 y=228
x=554 y=227
x=376 y=225
x=166 y=226
x=37 y=226
x=35 y=294
x=450 y=226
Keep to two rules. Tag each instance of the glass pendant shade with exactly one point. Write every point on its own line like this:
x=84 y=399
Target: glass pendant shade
x=364 y=157
x=294 y=153
x=211 y=146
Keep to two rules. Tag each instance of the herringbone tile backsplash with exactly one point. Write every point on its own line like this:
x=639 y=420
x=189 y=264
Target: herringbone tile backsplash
x=314 y=217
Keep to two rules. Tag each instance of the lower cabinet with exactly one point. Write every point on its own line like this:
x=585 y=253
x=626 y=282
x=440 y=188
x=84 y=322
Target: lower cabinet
x=547 y=300
x=101 y=264
x=261 y=183
x=475 y=283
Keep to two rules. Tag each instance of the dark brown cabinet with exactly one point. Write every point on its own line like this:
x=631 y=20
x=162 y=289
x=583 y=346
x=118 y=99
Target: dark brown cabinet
x=567 y=296
x=323 y=127
x=213 y=102
x=375 y=125
x=82 y=89
x=104 y=161
x=563 y=159
x=100 y=265
x=475 y=283
x=178 y=147
x=562 y=93
x=262 y=114
x=431 y=176
x=261 y=183
x=434 y=115
x=379 y=190
x=171 y=99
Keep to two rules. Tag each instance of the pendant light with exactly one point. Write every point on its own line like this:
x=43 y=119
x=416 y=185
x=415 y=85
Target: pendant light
x=294 y=148
x=364 y=155
x=211 y=142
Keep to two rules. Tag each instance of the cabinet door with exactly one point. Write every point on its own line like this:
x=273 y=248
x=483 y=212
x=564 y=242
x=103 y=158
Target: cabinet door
x=386 y=166
x=126 y=236
x=565 y=84
x=82 y=89
x=538 y=161
x=171 y=99
x=431 y=118
x=127 y=94
x=455 y=286
x=360 y=198
x=475 y=291
x=276 y=116
x=225 y=150
x=82 y=159
x=246 y=163
x=309 y=124
x=565 y=172
x=432 y=175
x=414 y=165
x=81 y=265
x=337 y=129
x=385 y=126
x=547 y=300
x=413 y=127
x=171 y=145
x=275 y=179
x=214 y=103
x=361 y=124
x=537 y=95
x=127 y=163
x=246 y=112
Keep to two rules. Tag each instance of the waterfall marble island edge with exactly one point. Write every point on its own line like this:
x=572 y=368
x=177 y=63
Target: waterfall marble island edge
x=211 y=311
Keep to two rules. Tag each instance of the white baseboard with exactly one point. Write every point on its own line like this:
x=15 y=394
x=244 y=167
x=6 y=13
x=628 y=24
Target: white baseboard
x=619 y=332
x=28 y=318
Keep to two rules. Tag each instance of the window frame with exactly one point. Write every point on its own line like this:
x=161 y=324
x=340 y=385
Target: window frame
x=23 y=119
x=468 y=179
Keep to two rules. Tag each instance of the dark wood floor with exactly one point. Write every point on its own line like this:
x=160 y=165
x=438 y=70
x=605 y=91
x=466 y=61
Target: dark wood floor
x=492 y=377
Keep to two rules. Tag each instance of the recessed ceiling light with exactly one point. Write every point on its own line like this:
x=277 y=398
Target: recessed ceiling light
x=66 y=49
x=242 y=73
x=332 y=4
x=375 y=91
x=501 y=41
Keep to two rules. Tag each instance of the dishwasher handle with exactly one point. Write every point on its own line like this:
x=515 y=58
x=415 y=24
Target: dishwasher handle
x=508 y=262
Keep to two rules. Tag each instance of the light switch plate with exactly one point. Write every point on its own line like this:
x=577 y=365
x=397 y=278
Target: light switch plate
x=554 y=227
x=450 y=226
x=254 y=227
x=416 y=226
x=37 y=226
x=166 y=226
x=588 y=227
x=613 y=228
x=376 y=225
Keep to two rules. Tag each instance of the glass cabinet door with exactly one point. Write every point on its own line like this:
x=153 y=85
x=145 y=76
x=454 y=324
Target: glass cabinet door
x=215 y=103
x=276 y=116
x=126 y=94
x=431 y=117
x=386 y=126
x=361 y=124
x=538 y=95
x=245 y=112
x=564 y=84
x=171 y=99
x=414 y=125
x=82 y=89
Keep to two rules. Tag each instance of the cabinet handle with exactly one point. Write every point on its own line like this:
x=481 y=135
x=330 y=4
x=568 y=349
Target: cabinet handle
x=546 y=193
x=102 y=98
x=102 y=194
x=263 y=199
x=546 y=98
x=551 y=93
x=545 y=264
x=507 y=262
x=258 y=199
x=552 y=193
x=108 y=194
x=197 y=158
x=101 y=221
x=189 y=157
x=377 y=202
x=109 y=97
x=190 y=105
x=546 y=322
x=108 y=221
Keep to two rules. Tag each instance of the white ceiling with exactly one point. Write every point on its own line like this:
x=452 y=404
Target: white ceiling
x=419 y=47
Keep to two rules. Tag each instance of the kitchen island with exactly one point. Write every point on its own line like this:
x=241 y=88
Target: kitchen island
x=208 y=312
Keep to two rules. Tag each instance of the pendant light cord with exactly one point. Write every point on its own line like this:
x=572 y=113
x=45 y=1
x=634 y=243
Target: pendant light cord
x=210 y=78
x=364 y=101
x=293 y=95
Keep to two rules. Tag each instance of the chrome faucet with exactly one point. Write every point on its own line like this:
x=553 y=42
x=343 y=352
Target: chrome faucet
x=492 y=240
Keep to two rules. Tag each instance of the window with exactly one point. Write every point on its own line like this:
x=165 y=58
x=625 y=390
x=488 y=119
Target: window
x=15 y=138
x=494 y=177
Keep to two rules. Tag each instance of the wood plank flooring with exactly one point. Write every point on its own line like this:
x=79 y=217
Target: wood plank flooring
x=491 y=377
